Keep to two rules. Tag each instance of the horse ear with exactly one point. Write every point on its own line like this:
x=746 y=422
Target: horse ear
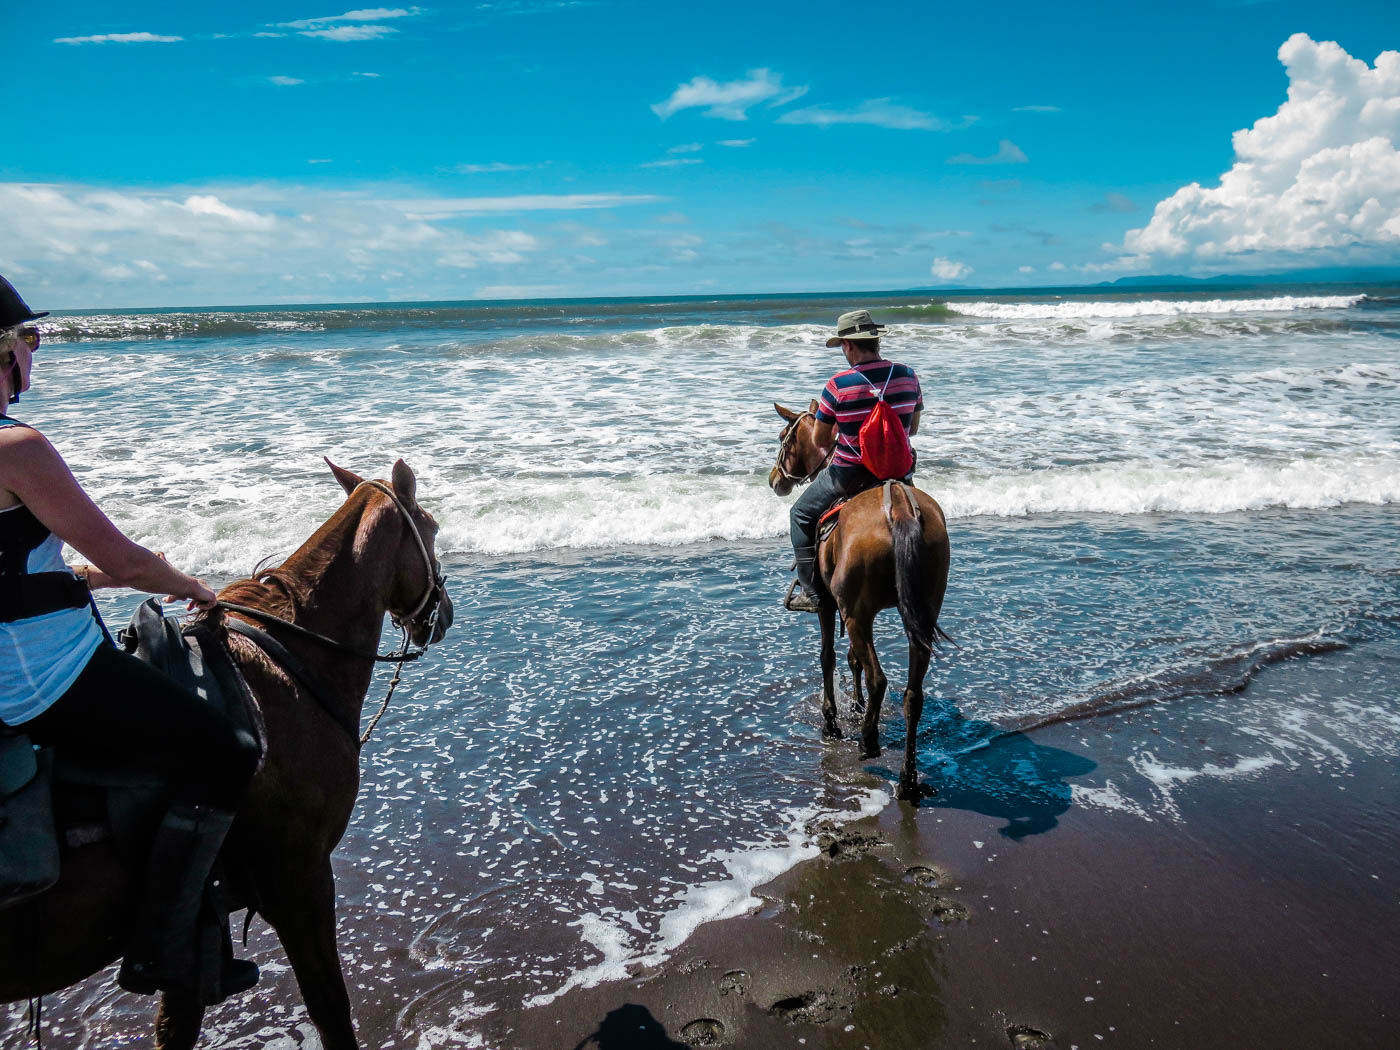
x=348 y=479
x=786 y=413
x=405 y=484
x=812 y=408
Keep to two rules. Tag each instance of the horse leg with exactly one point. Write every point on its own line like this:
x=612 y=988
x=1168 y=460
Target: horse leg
x=913 y=711
x=864 y=647
x=304 y=918
x=827 y=615
x=178 y=1021
x=857 y=696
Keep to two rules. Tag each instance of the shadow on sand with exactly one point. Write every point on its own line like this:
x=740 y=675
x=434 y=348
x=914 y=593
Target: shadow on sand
x=630 y=1027
x=977 y=766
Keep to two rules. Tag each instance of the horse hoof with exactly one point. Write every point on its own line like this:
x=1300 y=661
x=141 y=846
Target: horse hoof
x=870 y=751
x=831 y=732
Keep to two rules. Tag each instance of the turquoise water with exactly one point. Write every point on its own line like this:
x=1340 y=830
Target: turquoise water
x=1151 y=496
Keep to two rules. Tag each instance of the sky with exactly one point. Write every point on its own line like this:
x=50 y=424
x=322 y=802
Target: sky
x=169 y=154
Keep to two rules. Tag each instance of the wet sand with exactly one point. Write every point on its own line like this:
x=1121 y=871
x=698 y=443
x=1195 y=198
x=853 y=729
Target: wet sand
x=1265 y=916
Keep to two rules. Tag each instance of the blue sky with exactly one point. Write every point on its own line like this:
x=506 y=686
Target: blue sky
x=293 y=151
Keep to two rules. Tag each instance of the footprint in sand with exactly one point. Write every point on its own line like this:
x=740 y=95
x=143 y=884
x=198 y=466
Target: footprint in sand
x=807 y=1008
x=705 y=1031
x=1024 y=1037
x=921 y=875
x=735 y=982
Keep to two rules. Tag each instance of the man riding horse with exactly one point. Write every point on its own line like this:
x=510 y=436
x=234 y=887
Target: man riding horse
x=846 y=402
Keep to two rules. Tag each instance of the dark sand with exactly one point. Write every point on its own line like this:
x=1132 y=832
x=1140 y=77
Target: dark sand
x=1266 y=916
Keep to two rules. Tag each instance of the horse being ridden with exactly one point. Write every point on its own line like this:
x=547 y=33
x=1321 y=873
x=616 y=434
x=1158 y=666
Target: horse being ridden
x=889 y=548
x=372 y=557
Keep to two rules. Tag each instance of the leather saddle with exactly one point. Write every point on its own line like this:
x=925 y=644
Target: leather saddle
x=60 y=802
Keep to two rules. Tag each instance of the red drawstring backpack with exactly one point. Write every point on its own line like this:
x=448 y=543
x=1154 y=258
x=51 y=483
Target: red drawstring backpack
x=884 y=444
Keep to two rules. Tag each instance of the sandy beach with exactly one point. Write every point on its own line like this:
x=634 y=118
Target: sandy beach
x=1265 y=915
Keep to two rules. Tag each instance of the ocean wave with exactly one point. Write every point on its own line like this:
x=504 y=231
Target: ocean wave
x=228 y=531
x=1078 y=308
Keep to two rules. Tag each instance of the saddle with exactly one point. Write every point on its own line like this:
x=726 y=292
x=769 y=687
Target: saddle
x=827 y=523
x=52 y=802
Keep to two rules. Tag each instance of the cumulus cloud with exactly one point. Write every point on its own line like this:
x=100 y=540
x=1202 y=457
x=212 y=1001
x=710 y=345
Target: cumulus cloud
x=1007 y=153
x=880 y=112
x=949 y=269
x=729 y=100
x=1320 y=177
x=119 y=38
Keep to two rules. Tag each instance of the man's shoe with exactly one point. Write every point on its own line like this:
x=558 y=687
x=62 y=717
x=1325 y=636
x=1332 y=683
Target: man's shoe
x=800 y=599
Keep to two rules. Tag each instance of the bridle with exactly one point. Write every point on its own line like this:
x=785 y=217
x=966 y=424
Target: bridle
x=437 y=586
x=785 y=442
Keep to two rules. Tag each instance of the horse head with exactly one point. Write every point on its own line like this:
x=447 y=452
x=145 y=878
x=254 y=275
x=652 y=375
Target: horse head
x=799 y=459
x=417 y=598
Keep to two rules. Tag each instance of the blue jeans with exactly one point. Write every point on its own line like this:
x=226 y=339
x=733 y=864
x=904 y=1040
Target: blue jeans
x=833 y=483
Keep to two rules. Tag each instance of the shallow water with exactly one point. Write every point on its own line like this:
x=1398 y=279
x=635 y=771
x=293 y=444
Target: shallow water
x=617 y=742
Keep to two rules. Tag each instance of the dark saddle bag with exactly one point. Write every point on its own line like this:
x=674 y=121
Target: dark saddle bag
x=28 y=842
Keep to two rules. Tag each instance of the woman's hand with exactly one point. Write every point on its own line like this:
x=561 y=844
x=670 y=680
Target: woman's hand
x=197 y=594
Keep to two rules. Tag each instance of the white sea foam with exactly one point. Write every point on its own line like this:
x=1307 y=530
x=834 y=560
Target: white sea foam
x=1080 y=308
x=746 y=868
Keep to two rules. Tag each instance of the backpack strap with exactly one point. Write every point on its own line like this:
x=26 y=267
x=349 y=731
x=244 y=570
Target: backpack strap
x=880 y=395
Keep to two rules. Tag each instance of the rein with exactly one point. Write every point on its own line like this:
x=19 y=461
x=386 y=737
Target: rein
x=785 y=443
x=405 y=654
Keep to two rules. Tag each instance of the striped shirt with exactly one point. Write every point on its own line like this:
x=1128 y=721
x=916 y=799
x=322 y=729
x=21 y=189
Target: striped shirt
x=849 y=397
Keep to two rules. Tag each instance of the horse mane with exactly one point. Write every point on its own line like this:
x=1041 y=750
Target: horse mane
x=284 y=589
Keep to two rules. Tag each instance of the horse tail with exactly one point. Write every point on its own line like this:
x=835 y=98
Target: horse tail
x=915 y=566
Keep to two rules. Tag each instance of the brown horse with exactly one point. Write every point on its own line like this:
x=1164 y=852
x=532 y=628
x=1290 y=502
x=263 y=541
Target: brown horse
x=889 y=549
x=373 y=556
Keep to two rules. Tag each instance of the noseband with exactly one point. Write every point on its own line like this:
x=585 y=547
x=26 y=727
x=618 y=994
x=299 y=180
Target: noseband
x=785 y=443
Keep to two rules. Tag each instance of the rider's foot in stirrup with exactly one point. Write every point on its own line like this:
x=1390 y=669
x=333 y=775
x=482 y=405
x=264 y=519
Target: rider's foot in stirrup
x=800 y=599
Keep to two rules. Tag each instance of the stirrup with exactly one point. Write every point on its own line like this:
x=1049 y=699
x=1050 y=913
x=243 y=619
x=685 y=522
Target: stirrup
x=798 y=600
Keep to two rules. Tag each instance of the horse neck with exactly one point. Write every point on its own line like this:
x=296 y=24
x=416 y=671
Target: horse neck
x=340 y=580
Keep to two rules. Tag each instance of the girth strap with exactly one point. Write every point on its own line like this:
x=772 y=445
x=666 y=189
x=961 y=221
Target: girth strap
x=289 y=663
x=39 y=593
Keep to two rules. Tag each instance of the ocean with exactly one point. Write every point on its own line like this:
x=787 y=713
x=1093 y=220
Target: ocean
x=1151 y=494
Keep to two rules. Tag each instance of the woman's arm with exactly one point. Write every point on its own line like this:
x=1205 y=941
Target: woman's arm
x=32 y=469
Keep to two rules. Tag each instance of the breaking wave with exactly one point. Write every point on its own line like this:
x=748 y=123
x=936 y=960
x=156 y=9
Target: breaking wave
x=1151 y=307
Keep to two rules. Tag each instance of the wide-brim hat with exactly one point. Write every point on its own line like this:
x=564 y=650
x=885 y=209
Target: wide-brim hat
x=13 y=309
x=855 y=325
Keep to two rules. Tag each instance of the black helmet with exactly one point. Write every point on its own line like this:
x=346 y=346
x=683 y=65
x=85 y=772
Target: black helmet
x=13 y=309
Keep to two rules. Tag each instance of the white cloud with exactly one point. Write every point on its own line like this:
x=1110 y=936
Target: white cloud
x=89 y=246
x=267 y=34
x=1007 y=153
x=439 y=207
x=730 y=100
x=1036 y=109
x=343 y=33
x=492 y=168
x=1025 y=269
x=119 y=38
x=880 y=112
x=367 y=14
x=671 y=162
x=285 y=81
x=736 y=143
x=372 y=76
x=1057 y=266
x=949 y=269
x=688 y=147
x=1319 y=177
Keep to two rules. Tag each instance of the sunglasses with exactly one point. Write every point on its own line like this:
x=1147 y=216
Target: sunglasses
x=30 y=337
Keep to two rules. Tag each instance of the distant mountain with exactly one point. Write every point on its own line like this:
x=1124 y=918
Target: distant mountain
x=1317 y=275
